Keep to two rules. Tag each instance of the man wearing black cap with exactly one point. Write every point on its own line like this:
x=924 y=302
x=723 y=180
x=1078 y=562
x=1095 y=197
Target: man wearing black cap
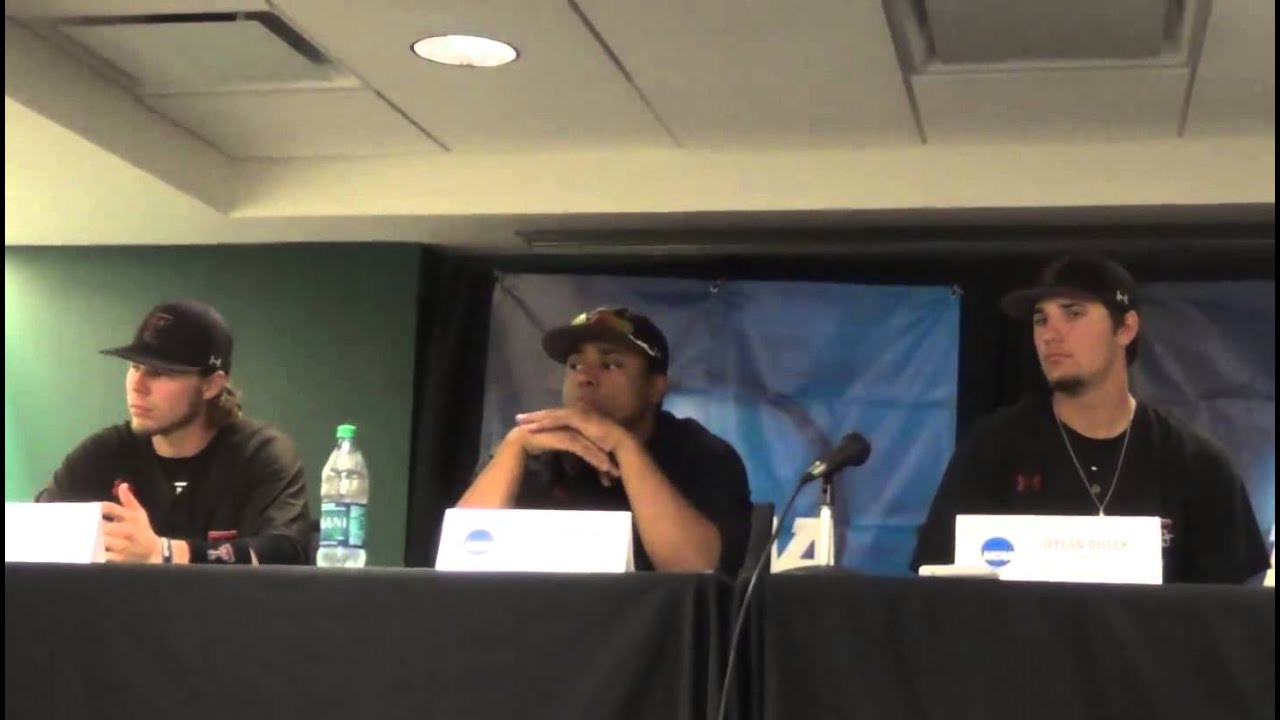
x=187 y=479
x=1090 y=448
x=612 y=447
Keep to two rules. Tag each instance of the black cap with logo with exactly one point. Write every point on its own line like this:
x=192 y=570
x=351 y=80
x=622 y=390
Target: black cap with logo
x=610 y=324
x=181 y=336
x=1077 y=276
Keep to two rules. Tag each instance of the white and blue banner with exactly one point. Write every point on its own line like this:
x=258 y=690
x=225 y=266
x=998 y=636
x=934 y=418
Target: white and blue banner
x=779 y=369
x=1208 y=355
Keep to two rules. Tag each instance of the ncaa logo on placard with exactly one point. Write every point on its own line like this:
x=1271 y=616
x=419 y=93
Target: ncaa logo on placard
x=477 y=542
x=997 y=552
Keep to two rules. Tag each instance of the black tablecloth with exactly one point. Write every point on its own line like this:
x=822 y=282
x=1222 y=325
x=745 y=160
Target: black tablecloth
x=194 y=642
x=216 y=642
x=842 y=646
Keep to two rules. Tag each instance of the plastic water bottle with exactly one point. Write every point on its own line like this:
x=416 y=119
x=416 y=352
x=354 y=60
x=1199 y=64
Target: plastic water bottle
x=344 y=494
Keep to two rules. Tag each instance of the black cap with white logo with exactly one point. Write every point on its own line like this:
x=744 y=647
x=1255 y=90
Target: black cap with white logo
x=181 y=336
x=1077 y=276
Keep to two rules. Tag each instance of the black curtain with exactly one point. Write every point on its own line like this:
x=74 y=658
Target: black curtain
x=454 y=294
x=997 y=363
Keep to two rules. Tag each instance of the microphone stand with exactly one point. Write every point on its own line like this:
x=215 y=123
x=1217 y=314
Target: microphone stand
x=853 y=450
x=824 y=546
x=746 y=598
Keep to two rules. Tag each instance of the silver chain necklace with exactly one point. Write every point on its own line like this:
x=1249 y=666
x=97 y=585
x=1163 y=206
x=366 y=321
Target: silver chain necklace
x=1102 y=507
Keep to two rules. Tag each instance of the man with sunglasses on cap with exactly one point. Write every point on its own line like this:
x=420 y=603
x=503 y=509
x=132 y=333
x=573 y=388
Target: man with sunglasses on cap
x=188 y=479
x=1089 y=447
x=612 y=447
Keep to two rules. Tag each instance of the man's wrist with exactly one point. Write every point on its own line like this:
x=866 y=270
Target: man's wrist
x=625 y=444
x=172 y=552
x=512 y=445
x=513 y=441
x=156 y=555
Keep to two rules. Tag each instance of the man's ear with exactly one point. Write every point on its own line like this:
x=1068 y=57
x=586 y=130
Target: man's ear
x=213 y=385
x=1128 y=329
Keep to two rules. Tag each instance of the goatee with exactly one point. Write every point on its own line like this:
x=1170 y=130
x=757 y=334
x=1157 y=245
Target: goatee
x=1070 y=386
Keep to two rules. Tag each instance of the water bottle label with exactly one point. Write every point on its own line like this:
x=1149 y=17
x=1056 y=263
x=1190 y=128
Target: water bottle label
x=342 y=525
x=355 y=526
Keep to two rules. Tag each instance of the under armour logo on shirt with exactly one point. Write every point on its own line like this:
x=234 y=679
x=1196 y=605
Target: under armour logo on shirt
x=1023 y=483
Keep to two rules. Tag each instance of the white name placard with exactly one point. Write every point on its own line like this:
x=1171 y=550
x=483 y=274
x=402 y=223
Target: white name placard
x=567 y=541
x=53 y=532
x=1063 y=548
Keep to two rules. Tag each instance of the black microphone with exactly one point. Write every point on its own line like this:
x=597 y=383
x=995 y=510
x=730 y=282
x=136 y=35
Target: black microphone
x=852 y=451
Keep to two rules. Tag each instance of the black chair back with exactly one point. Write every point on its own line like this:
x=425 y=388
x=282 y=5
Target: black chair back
x=758 y=540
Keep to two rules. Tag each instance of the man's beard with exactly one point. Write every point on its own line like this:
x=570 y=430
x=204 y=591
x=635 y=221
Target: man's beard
x=1071 y=386
x=190 y=416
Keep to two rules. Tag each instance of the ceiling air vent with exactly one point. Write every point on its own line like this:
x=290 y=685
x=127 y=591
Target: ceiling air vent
x=205 y=52
x=935 y=35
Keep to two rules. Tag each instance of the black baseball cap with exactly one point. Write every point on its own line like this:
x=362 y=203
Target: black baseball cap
x=609 y=324
x=1079 y=276
x=180 y=336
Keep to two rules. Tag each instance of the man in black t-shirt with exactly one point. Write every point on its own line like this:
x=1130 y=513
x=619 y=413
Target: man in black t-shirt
x=187 y=479
x=612 y=447
x=1090 y=447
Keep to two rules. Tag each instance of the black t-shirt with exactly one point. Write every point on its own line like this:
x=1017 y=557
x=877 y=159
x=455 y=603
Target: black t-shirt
x=702 y=467
x=1016 y=462
x=245 y=489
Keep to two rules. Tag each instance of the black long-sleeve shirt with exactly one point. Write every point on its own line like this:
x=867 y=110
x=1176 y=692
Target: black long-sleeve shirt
x=1017 y=462
x=244 y=490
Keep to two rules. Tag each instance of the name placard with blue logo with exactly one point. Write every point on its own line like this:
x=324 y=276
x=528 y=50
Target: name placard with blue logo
x=565 y=541
x=1063 y=548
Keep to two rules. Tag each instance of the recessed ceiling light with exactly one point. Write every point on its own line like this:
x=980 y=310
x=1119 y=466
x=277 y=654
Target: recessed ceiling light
x=466 y=50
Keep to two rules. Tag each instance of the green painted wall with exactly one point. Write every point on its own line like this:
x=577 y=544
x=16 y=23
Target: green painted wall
x=324 y=335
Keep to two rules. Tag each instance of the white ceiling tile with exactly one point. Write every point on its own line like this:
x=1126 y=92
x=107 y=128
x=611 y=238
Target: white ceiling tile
x=1055 y=105
x=313 y=123
x=728 y=73
x=563 y=91
x=1235 y=87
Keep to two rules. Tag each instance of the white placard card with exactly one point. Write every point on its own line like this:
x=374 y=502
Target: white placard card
x=1063 y=548
x=569 y=541
x=53 y=532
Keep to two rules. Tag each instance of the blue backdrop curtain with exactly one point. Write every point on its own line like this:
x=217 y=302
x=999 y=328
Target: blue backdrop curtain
x=1209 y=355
x=995 y=361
